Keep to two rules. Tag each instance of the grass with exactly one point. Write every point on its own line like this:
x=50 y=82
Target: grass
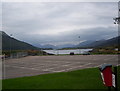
x=81 y=79
x=103 y=54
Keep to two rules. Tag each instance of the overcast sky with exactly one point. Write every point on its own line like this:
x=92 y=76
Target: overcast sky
x=59 y=23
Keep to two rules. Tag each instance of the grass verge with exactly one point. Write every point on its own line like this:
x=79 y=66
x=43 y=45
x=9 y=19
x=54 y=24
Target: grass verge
x=81 y=79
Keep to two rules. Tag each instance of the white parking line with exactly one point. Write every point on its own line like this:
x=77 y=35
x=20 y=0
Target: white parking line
x=22 y=67
x=60 y=66
x=70 y=68
x=79 y=66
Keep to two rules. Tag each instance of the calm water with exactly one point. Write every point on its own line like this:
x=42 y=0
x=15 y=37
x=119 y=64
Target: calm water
x=76 y=51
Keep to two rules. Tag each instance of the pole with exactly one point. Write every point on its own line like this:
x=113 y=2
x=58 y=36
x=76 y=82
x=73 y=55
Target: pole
x=79 y=47
x=3 y=68
x=10 y=45
x=58 y=52
x=39 y=52
x=116 y=84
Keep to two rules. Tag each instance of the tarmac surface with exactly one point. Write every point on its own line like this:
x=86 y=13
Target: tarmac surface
x=36 y=65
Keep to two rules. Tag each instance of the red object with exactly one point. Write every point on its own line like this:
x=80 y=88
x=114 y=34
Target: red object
x=107 y=76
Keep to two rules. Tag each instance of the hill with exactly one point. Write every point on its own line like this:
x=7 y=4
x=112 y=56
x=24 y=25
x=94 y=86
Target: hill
x=101 y=43
x=14 y=44
x=85 y=43
x=105 y=43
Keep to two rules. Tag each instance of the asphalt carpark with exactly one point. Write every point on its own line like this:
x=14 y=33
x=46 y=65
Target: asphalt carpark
x=36 y=65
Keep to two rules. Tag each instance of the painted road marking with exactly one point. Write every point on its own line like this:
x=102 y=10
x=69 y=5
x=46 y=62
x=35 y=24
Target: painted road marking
x=52 y=69
x=22 y=67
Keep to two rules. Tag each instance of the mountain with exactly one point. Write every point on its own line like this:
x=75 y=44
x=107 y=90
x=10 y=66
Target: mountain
x=14 y=44
x=66 y=46
x=85 y=43
x=48 y=46
x=102 y=43
x=88 y=44
x=110 y=42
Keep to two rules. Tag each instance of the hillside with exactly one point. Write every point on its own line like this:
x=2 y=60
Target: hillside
x=14 y=44
x=105 y=43
x=112 y=43
x=85 y=43
x=101 y=43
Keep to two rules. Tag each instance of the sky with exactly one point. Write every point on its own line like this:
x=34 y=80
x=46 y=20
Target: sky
x=40 y=23
x=60 y=0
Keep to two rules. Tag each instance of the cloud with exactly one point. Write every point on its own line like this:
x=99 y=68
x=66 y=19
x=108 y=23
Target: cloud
x=59 y=22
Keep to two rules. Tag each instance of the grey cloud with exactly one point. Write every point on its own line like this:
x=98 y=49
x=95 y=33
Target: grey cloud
x=99 y=33
x=37 y=22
